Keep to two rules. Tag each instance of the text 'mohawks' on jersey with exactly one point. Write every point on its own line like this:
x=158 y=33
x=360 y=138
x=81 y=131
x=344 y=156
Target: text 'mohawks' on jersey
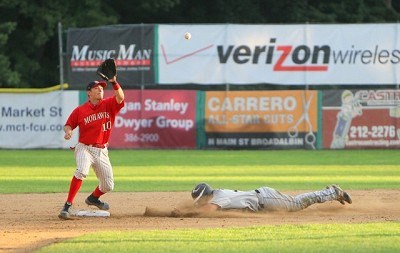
x=95 y=121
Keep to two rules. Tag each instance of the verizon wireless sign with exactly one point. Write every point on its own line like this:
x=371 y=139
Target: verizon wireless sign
x=131 y=47
x=279 y=54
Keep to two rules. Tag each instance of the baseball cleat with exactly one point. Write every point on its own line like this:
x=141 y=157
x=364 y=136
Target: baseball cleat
x=342 y=196
x=93 y=201
x=65 y=213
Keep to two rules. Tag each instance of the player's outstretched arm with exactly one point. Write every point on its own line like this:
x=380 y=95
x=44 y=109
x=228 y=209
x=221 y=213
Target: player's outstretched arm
x=194 y=210
x=208 y=208
x=119 y=93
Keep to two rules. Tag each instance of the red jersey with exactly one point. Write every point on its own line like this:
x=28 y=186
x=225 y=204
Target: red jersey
x=95 y=121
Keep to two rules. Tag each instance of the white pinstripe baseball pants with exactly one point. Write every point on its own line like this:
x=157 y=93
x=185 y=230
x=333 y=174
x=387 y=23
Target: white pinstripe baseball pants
x=97 y=158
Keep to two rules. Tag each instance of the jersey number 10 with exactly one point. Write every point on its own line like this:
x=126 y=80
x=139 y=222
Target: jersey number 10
x=107 y=126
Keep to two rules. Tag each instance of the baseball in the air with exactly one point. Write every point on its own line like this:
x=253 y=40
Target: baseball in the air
x=188 y=36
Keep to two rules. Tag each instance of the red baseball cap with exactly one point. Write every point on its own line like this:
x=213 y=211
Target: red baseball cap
x=94 y=84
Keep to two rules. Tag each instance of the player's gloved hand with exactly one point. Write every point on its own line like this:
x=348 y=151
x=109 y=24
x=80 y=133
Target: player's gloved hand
x=107 y=69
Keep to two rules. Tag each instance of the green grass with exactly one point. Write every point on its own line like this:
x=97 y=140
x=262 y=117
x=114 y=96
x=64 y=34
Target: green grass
x=64 y=158
x=377 y=237
x=42 y=171
x=25 y=171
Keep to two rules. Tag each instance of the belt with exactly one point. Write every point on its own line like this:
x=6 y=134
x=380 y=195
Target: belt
x=261 y=205
x=97 y=145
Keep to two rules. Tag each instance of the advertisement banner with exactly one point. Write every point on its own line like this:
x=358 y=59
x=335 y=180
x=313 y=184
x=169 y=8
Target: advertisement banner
x=279 y=54
x=261 y=119
x=36 y=120
x=130 y=45
x=355 y=119
x=155 y=119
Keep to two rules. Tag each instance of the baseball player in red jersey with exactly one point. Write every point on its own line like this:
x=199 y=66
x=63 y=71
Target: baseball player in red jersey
x=95 y=120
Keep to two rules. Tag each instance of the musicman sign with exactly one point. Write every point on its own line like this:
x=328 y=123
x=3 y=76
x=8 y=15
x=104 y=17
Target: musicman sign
x=280 y=54
x=131 y=47
x=125 y=56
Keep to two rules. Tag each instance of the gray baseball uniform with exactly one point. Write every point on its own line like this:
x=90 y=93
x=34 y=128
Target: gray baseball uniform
x=268 y=199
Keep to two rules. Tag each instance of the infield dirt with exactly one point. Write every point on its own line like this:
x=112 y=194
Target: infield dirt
x=29 y=221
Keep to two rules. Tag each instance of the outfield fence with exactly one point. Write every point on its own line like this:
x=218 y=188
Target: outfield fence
x=188 y=119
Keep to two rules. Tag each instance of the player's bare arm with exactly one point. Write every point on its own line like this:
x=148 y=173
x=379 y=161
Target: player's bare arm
x=206 y=207
x=68 y=132
x=194 y=210
x=119 y=93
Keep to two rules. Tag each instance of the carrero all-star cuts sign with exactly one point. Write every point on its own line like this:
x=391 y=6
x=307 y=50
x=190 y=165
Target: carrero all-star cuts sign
x=131 y=47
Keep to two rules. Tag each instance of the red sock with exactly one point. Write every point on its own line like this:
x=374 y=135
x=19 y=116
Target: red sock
x=73 y=189
x=97 y=193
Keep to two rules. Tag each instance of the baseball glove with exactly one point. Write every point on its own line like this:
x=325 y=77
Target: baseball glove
x=107 y=69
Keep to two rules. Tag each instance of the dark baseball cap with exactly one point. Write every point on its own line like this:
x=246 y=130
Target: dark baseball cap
x=94 y=84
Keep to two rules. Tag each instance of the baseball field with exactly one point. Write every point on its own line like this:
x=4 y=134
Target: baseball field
x=151 y=183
